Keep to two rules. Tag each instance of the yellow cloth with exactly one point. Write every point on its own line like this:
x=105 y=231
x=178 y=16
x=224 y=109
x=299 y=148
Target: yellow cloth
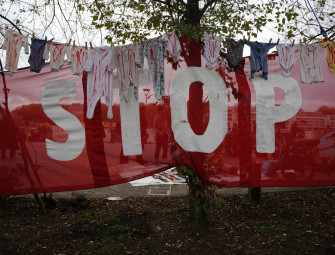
x=330 y=55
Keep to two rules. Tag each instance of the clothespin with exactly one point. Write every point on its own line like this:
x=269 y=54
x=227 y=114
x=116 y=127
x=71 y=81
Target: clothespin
x=270 y=40
x=300 y=43
x=249 y=38
x=33 y=36
x=278 y=41
x=292 y=43
x=85 y=45
x=27 y=35
x=91 y=45
x=112 y=44
x=244 y=39
x=51 y=39
x=69 y=42
x=74 y=44
x=46 y=38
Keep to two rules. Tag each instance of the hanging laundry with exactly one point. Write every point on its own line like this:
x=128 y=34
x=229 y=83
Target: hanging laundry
x=330 y=55
x=36 y=60
x=212 y=50
x=234 y=52
x=286 y=58
x=57 y=53
x=173 y=45
x=155 y=51
x=100 y=64
x=77 y=56
x=258 y=57
x=128 y=60
x=12 y=44
x=310 y=65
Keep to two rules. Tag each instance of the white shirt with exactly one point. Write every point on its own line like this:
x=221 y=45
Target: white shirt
x=100 y=64
x=310 y=65
x=13 y=44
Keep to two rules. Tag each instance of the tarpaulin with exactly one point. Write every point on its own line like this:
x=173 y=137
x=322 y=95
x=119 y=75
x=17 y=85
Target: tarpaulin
x=230 y=129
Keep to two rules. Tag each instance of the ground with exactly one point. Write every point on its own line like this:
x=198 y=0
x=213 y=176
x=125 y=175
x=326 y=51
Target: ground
x=296 y=222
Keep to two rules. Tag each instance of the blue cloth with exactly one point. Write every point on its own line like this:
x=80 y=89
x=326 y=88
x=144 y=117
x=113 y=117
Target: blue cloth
x=258 y=57
x=36 y=59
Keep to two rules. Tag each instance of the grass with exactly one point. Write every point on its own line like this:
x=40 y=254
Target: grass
x=110 y=244
x=83 y=218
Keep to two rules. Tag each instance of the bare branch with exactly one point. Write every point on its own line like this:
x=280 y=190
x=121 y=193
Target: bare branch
x=17 y=28
x=68 y=24
x=328 y=30
x=53 y=16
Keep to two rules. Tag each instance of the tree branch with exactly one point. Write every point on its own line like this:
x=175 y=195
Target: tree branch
x=207 y=5
x=181 y=2
x=53 y=16
x=329 y=29
x=168 y=3
x=67 y=22
x=17 y=28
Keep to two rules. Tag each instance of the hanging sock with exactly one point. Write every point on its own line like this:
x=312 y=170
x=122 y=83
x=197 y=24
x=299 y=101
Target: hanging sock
x=310 y=65
x=234 y=52
x=258 y=57
x=12 y=44
x=286 y=58
x=212 y=50
x=330 y=55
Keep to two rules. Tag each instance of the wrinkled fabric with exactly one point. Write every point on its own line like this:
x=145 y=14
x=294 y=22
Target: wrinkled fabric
x=258 y=58
x=128 y=60
x=286 y=58
x=13 y=43
x=330 y=55
x=77 y=58
x=56 y=52
x=100 y=65
x=155 y=52
x=173 y=45
x=36 y=59
x=234 y=52
x=212 y=50
x=310 y=65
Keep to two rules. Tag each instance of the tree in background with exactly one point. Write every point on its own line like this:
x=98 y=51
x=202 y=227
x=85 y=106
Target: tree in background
x=136 y=20
x=132 y=21
x=305 y=25
x=326 y=110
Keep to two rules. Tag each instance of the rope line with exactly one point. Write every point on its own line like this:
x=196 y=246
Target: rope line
x=323 y=32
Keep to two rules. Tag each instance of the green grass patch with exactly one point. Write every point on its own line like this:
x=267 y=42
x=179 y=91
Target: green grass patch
x=83 y=218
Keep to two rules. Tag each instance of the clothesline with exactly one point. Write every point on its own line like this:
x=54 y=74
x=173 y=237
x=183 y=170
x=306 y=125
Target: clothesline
x=126 y=59
x=112 y=44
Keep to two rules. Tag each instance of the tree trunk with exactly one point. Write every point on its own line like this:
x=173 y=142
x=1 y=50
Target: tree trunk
x=198 y=204
x=198 y=208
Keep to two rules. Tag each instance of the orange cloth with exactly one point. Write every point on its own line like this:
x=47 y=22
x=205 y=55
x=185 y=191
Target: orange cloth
x=330 y=55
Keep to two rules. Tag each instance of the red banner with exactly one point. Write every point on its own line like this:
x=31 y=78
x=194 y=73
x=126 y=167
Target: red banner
x=232 y=130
